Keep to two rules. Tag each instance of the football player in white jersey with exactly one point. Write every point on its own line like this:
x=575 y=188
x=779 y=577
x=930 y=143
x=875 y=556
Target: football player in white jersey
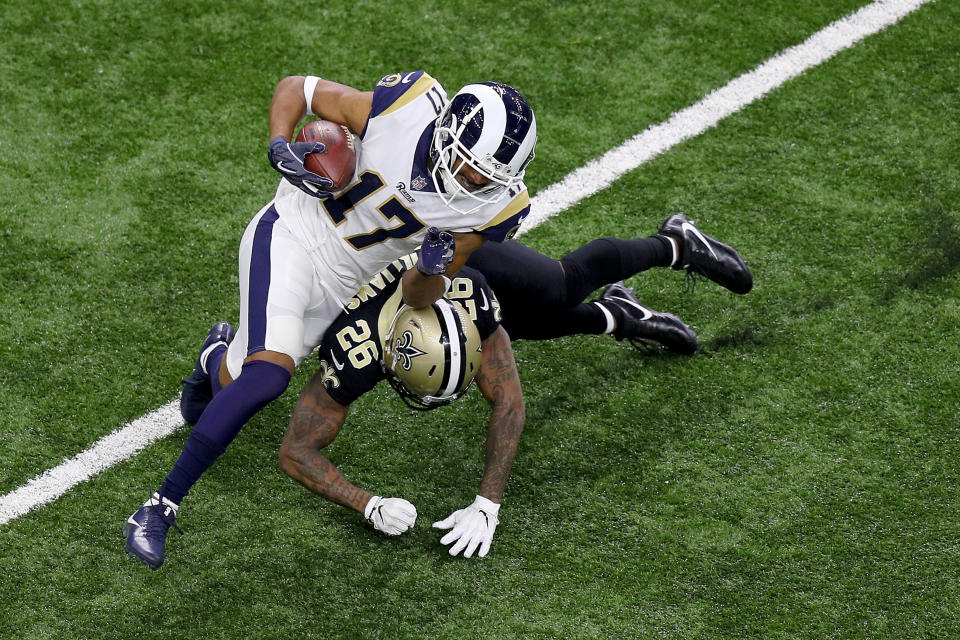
x=434 y=175
x=541 y=298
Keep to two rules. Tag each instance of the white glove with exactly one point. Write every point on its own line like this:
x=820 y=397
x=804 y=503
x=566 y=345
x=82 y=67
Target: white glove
x=472 y=527
x=391 y=516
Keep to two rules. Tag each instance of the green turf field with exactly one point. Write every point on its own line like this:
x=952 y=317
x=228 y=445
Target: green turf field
x=797 y=478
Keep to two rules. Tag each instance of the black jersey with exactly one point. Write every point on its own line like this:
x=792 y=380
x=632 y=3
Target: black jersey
x=352 y=348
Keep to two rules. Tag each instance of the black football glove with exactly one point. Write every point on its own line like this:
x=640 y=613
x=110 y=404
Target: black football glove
x=287 y=158
x=436 y=252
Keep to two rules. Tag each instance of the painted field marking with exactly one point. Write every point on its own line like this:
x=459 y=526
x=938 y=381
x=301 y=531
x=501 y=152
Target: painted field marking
x=582 y=183
x=600 y=173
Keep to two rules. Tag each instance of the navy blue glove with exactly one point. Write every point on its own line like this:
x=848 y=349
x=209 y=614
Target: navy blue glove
x=436 y=252
x=287 y=158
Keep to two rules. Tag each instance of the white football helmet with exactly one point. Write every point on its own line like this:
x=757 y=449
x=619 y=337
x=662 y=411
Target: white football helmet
x=431 y=355
x=489 y=127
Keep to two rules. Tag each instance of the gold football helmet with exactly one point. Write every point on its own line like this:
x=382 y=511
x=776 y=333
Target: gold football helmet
x=431 y=355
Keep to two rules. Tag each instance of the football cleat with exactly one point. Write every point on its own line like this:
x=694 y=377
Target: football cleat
x=146 y=530
x=699 y=253
x=638 y=324
x=197 y=392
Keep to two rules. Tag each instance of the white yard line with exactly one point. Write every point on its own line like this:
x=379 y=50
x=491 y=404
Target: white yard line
x=105 y=452
x=586 y=181
x=738 y=93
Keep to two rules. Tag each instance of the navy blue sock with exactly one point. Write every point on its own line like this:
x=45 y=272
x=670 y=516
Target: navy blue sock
x=213 y=368
x=258 y=384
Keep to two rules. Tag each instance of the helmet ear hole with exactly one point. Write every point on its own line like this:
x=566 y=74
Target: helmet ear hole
x=431 y=355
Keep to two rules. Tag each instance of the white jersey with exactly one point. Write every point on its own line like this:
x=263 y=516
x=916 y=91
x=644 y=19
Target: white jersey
x=392 y=200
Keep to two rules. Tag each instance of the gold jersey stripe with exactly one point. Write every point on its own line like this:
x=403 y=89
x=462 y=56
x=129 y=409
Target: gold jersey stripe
x=419 y=87
x=516 y=206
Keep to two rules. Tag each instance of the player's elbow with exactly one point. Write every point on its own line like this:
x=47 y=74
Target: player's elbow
x=520 y=411
x=291 y=456
x=287 y=459
x=289 y=84
x=514 y=409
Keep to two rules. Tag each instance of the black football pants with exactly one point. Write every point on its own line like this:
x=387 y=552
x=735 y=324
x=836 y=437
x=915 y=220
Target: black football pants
x=542 y=298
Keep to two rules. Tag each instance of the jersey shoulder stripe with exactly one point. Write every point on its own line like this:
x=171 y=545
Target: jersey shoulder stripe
x=499 y=227
x=398 y=90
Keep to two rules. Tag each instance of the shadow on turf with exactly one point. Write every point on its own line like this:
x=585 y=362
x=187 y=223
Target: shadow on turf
x=936 y=257
x=745 y=336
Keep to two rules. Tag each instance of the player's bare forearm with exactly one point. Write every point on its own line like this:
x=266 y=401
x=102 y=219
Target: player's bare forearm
x=421 y=290
x=319 y=475
x=499 y=382
x=331 y=101
x=316 y=422
x=287 y=107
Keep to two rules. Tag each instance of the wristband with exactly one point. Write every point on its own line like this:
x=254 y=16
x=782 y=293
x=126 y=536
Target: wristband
x=309 y=86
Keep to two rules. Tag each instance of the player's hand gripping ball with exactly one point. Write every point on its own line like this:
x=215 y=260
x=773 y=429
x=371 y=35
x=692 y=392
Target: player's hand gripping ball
x=338 y=160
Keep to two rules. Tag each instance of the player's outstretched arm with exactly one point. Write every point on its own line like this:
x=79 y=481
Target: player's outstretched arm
x=316 y=422
x=423 y=286
x=472 y=527
x=499 y=382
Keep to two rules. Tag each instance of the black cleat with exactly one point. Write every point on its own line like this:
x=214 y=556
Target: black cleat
x=197 y=392
x=146 y=530
x=638 y=323
x=699 y=253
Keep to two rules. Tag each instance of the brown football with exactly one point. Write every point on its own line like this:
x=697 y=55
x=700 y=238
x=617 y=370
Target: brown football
x=339 y=160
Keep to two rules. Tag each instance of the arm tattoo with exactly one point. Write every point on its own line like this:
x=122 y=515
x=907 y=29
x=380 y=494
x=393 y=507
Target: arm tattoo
x=500 y=384
x=316 y=421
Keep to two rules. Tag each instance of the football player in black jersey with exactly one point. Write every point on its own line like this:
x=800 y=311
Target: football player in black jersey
x=430 y=356
x=531 y=286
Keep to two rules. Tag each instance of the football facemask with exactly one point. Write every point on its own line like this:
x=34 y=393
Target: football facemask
x=490 y=128
x=431 y=355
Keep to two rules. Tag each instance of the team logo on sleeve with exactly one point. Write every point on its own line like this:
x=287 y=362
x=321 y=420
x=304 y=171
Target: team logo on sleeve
x=390 y=80
x=404 y=351
x=328 y=376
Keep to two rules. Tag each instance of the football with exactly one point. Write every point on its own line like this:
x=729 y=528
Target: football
x=339 y=160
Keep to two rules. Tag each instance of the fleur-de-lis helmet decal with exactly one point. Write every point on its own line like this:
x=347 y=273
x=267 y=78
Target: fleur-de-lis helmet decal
x=404 y=352
x=431 y=355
